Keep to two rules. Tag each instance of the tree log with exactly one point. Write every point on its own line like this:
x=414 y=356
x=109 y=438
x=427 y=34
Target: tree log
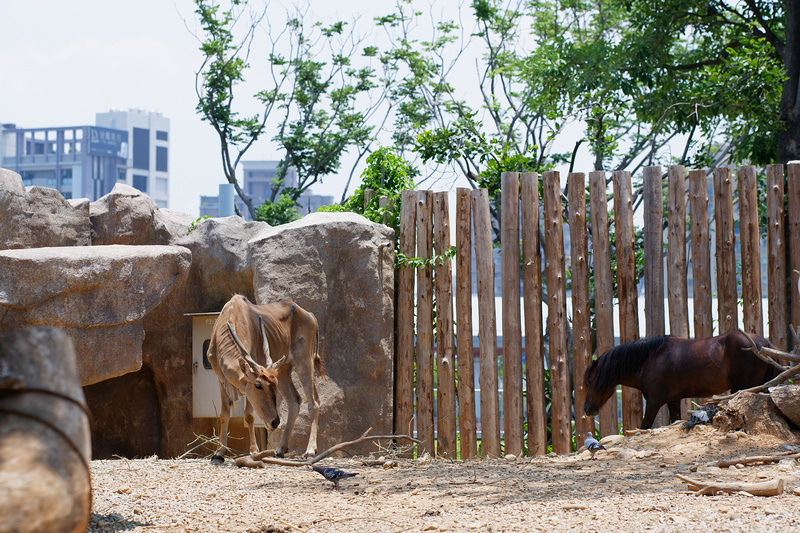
x=773 y=487
x=764 y=459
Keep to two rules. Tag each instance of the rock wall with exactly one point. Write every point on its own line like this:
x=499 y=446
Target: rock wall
x=332 y=264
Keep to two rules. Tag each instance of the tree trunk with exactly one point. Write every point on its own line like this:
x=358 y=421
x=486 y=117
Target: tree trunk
x=789 y=137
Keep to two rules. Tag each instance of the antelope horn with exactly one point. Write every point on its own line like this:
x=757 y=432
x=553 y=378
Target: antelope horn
x=245 y=353
x=264 y=341
x=278 y=363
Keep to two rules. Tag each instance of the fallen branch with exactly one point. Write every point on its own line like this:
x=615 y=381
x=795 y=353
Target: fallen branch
x=765 y=459
x=773 y=487
x=765 y=352
x=760 y=388
x=264 y=456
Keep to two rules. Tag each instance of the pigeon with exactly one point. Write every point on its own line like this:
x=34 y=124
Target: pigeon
x=333 y=474
x=592 y=444
x=704 y=415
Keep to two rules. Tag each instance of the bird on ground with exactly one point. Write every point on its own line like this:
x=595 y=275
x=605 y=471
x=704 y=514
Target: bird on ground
x=592 y=444
x=333 y=474
x=704 y=415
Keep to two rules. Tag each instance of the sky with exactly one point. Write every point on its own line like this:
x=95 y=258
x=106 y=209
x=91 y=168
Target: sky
x=61 y=62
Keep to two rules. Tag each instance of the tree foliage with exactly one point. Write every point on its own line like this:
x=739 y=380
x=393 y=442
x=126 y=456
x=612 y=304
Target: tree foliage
x=313 y=94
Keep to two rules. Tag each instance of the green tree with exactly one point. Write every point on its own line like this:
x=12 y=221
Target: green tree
x=387 y=175
x=282 y=211
x=314 y=94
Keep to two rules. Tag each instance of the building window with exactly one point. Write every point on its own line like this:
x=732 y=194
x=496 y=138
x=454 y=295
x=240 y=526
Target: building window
x=141 y=149
x=66 y=177
x=161 y=185
x=161 y=158
x=121 y=175
x=140 y=182
x=162 y=135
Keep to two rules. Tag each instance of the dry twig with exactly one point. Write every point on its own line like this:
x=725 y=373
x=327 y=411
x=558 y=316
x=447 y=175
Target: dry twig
x=253 y=459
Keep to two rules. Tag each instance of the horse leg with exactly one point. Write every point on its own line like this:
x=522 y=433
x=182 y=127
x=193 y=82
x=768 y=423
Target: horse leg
x=306 y=374
x=224 y=418
x=250 y=419
x=292 y=397
x=650 y=413
x=674 y=410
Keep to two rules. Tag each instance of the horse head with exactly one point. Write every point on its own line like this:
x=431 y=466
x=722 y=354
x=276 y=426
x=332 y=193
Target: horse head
x=593 y=399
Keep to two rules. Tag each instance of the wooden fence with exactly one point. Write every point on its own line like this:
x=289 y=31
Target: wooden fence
x=430 y=358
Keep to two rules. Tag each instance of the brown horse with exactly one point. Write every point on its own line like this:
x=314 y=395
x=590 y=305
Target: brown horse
x=667 y=369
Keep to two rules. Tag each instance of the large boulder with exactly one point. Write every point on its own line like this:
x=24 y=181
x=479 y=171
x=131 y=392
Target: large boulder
x=97 y=294
x=35 y=217
x=128 y=216
x=787 y=399
x=340 y=266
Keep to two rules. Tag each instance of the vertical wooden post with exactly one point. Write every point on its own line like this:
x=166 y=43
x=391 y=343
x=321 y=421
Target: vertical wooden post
x=677 y=293
x=466 y=371
x=727 y=311
x=776 y=260
x=556 y=315
x=425 y=424
x=445 y=342
x=581 y=320
x=752 y=314
x=626 y=287
x=532 y=289
x=701 y=255
x=654 y=261
x=487 y=325
x=603 y=290
x=404 y=375
x=513 y=408
x=368 y=194
x=676 y=253
x=793 y=193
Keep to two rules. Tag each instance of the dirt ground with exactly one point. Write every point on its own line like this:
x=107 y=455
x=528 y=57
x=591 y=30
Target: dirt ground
x=629 y=487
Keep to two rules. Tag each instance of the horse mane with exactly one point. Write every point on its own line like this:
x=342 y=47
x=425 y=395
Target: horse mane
x=623 y=359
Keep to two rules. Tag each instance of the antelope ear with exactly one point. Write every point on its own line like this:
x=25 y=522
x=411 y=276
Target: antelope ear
x=246 y=368
x=278 y=363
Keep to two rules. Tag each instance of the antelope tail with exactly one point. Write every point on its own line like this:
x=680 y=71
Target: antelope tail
x=318 y=359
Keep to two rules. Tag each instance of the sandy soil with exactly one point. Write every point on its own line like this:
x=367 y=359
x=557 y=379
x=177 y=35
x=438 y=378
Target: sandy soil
x=630 y=487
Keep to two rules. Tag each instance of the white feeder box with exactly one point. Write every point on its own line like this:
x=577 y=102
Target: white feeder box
x=205 y=384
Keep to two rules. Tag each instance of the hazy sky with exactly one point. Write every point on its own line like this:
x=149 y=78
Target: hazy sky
x=61 y=62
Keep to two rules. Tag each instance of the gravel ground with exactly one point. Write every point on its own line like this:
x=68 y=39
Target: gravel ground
x=629 y=487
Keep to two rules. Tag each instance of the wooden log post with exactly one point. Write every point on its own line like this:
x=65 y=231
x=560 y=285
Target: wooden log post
x=561 y=418
x=368 y=195
x=677 y=293
x=45 y=478
x=404 y=370
x=776 y=260
x=445 y=341
x=727 y=312
x=626 y=287
x=603 y=290
x=466 y=372
x=534 y=333
x=425 y=422
x=793 y=221
x=701 y=255
x=581 y=319
x=752 y=313
x=513 y=408
x=487 y=325
x=654 y=262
